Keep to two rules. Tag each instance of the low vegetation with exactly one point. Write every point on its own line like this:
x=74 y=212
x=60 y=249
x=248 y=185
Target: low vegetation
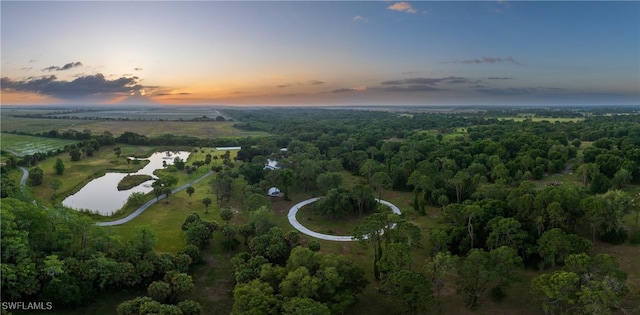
x=131 y=181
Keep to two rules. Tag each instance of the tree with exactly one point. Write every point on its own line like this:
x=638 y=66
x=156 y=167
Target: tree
x=556 y=291
x=474 y=276
x=438 y=269
x=621 y=178
x=395 y=257
x=157 y=191
x=247 y=230
x=587 y=172
x=505 y=231
x=55 y=185
x=256 y=201
x=327 y=181
x=555 y=245
x=254 y=298
x=303 y=306
x=380 y=181
x=75 y=155
x=200 y=232
x=252 y=172
x=190 y=191
x=166 y=191
x=206 y=201
x=370 y=232
x=226 y=214
x=506 y=266
x=459 y=182
x=190 y=307
x=159 y=291
x=271 y=245
x=413 y=288
x=180 y=283
x=144 y=239
x=586 y=285
x=287 y=178
x=36 y=176
x=229 y=234
x=369 y=167
x=362 y=195
x=59 y=167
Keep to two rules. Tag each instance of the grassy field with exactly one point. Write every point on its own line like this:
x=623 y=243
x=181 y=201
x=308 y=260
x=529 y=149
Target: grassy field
x=150 y=127
x=21 y=145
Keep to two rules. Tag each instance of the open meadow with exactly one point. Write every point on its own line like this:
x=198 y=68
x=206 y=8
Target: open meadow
x=21 y=145
x=116 y=121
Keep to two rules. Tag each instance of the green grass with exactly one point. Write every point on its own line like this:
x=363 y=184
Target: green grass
x=21 y=145
x=327 y=225
x=78 y=173
x=131 y=181
x=200 y=129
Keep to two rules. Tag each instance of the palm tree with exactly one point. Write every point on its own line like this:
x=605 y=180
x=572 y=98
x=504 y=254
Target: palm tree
x=190 y=191
x=206 y=201
x=166 y=191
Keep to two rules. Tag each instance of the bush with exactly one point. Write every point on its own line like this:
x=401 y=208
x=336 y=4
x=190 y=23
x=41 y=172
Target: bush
x=615 y=237
x=135 y=199
x=497 y=294
x=635 y=237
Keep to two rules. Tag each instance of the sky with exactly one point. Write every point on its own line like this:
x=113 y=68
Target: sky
x=320 y=52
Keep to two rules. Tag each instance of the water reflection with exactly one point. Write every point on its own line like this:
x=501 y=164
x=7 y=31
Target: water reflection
x=101 y=195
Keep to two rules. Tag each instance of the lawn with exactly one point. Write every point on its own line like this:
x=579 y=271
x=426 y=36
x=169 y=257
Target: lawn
x=20 y=145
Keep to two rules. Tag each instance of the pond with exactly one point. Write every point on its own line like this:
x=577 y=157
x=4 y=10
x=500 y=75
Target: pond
x=102 y=196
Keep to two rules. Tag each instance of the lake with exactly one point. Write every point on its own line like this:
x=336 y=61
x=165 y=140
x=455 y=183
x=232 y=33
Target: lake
x=101 y=195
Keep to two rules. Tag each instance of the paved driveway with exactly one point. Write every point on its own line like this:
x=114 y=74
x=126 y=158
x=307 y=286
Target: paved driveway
x=149 y=203
x=294 y=222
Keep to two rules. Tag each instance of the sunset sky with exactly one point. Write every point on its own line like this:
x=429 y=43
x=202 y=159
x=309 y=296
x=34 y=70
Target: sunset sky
x=321 y=53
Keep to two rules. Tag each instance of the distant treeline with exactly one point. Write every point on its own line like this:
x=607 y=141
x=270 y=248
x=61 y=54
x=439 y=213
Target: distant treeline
x=70 y=117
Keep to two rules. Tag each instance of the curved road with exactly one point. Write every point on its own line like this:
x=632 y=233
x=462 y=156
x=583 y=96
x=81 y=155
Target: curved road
x=294 y=222
x=149 y=203
x=25 y=175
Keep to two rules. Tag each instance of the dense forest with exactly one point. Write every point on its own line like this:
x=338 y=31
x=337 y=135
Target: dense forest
x=484 y=175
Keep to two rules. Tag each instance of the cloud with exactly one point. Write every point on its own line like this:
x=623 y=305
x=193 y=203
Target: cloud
x=402 y=7
x=310 y=82
x=489 y=60
x=519 y=91
x=500 y=78
x=167 y=94
x=360 y=18
x=426 y=81
x=137 y=69
x=80 y=87
x=65 y=67
x=410 y=88
x=352 y=89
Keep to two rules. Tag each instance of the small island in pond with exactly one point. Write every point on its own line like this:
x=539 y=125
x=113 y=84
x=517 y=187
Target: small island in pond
x=131 y=181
